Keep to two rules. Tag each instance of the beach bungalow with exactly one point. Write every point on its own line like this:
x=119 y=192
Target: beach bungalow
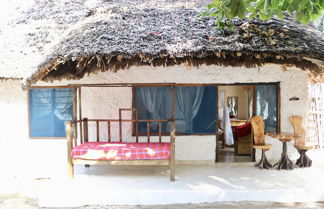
x=88 y=61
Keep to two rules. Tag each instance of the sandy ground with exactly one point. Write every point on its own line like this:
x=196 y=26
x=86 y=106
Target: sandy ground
x=18 y=202
x=22 y=193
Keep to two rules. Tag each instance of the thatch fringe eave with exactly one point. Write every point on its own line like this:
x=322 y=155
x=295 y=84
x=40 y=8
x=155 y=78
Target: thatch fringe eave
x=77 y=67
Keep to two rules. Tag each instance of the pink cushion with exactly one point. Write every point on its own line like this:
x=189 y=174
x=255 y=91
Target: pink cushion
x=121 y=151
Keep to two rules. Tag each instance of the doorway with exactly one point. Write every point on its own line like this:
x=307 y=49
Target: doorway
x=237 y=104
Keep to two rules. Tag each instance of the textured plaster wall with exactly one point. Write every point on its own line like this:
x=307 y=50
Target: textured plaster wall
x=50 y=154
x=20 y=155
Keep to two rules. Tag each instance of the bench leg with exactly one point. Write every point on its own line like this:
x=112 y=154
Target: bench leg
x=172 y=171
x=70 y=170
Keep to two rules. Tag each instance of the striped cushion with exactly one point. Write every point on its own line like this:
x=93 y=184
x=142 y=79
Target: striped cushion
x=121 y=151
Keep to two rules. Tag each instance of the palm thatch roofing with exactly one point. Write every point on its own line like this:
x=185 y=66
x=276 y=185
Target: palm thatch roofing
x=71 y=38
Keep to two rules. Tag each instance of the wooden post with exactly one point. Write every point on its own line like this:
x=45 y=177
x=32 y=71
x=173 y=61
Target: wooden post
x=68 y=129
x=120 y=126
x=109 y=135
x=85 y=130
x=80 y=115
x=172 y=137
x=75 y=117
x=97 y=125
x=172 y=150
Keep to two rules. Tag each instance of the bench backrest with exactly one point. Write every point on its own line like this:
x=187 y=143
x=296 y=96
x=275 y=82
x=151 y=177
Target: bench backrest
x=81 y=132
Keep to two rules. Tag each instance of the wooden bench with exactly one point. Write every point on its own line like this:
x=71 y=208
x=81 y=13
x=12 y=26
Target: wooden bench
x=101 y=152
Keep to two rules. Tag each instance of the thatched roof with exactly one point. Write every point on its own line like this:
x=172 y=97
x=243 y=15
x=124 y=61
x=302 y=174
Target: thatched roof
x=71 y=38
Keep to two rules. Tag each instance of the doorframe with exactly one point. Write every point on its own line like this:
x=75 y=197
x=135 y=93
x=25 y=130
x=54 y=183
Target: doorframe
x=253 y=112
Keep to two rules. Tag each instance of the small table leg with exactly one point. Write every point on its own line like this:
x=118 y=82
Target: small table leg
x=264 y=163
x=303 y=161
x=284 y=162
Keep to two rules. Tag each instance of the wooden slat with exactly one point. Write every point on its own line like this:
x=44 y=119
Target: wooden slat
x=160 y=132
x=127 y=109
x=122 y=84
x=130 y=120
x=121 y=162
x=109 y=133
x=136 y=125
x=97 y=127
x=85 y=130
x=148 y=131
x=52 y=87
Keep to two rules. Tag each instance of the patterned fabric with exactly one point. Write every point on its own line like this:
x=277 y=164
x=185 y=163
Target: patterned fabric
x=121 y=151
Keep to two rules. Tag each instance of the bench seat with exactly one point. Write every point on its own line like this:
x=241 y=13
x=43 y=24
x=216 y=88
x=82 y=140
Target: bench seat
x=121 y=151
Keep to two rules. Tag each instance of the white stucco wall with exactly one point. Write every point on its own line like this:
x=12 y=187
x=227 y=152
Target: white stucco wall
x=29 y=155
x=20 y=155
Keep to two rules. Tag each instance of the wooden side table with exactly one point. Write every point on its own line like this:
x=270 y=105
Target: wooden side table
x=284 y=162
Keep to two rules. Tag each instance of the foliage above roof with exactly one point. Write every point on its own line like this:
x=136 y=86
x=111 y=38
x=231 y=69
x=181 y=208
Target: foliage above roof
x=74 y=37
x=305 y=11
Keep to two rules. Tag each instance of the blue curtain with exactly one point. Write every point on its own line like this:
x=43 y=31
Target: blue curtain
x=195 y=108
x=153 y=103
x=188 y=100
x=267 y=105
x=205 y=120
x=49 y=109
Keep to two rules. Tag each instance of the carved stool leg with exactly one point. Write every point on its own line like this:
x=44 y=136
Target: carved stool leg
x=284 y=162
x=303 y=161
x=264 y=163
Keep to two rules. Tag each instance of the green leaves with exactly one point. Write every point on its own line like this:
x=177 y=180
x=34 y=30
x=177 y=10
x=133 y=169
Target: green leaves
x=224 y=10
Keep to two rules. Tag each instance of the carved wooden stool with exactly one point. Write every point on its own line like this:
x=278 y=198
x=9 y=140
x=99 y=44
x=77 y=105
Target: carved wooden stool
x=259 y=141
x=300 y=141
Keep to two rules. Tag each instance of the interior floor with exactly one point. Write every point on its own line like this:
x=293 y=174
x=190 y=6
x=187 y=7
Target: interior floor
x=227 y=155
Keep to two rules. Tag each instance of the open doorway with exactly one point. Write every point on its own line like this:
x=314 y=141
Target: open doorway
x=235 y=108
x=237 y=104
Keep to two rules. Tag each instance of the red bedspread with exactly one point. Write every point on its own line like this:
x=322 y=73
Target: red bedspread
x=121 y=151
